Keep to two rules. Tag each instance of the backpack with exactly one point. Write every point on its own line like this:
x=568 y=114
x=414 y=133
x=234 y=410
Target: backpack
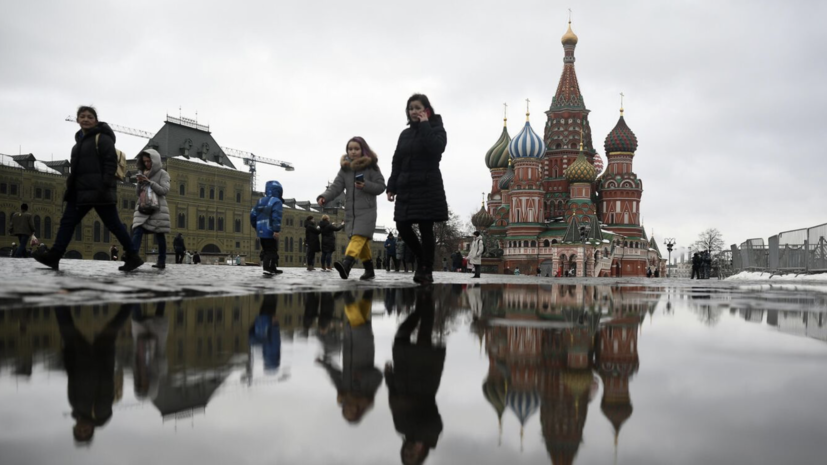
x=120 y=172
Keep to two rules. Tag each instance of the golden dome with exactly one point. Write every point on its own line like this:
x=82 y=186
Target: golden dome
x=569 y=38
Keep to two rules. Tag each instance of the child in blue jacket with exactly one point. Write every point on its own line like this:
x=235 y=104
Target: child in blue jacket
x=266 y=218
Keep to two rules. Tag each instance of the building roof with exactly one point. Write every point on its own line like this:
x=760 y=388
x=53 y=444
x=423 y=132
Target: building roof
x=192 y=141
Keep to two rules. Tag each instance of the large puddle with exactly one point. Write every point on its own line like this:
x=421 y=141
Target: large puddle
x=449 y=374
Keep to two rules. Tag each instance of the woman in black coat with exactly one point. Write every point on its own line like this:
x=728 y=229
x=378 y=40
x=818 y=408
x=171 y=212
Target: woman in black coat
x=92 y=184
x=328 y=230
x=416 y=185
x=311 y=241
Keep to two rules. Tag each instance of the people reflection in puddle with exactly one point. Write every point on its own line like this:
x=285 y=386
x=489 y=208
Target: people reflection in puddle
x=149 y=339
x=90 y=368
x=413 y=381
x=265 y=332
x=358 y=379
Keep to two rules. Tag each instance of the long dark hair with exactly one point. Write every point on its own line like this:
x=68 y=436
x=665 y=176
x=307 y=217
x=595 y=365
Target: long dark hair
x=421 y=98
x=90 y=109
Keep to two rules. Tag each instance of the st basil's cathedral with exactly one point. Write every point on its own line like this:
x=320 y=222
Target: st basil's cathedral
x=553 y=208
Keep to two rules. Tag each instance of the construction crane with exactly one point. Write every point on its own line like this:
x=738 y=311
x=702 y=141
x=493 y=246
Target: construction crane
x=250 y=159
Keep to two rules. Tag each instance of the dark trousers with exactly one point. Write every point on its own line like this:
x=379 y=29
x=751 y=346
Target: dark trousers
x=422 y=251
x=179 y=255
x=72 y=216
x=138 y=237
x=395 y=263
x=23 y=241
x=311 y=258
x=695 y=273
x=327 y=259
x=271 y=253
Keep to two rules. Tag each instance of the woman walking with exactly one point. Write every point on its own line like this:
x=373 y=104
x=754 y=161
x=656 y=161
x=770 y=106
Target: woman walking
x=475 y=254
x=152 y=220
x=92 y=185
x=361 y=180
x=311 y=241
x=416 y=183
x=328 y=230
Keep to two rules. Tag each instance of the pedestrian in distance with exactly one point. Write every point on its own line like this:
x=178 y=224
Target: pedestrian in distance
x=379 y=262
x=152 y=216
x=22 y=226
x=401 y=254
x=361 y=180
x=196 y=258
x=311 y=241
x=328 y=230
x=456 y=261
x=444 y=264
x=179 y=247
x=113 y=253
x=415 y=184
x=92 y=184
x=390 y=253
x=475 y=253
x=696 y=266
x=265 y=217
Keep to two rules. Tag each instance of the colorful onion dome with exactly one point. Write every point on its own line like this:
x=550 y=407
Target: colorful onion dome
x=524 y=404
x=621 y=139
x=527 y=144
x=505 y=181
x=497 y=155
x=569 y=38
x=581 y=170
x=482 y=219
x=598 y=163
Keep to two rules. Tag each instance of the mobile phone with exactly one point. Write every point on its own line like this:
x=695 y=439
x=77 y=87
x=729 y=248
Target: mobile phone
x=360 y=177
x=429 y=112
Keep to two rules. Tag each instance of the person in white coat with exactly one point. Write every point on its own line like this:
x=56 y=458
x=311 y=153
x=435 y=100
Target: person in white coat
x=155 y=220
x=475 y=254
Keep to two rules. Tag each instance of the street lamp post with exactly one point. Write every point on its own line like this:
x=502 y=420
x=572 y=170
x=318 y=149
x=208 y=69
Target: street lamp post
x=669 y=242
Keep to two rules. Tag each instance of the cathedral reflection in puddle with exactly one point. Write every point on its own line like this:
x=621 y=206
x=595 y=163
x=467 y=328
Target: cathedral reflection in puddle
x=386 y=375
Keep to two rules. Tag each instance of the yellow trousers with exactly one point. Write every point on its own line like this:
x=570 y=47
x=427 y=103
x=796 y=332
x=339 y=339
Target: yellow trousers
x=359 y=248
x=358 y=313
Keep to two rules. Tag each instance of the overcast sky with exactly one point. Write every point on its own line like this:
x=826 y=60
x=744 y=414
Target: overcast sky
x=726 y=97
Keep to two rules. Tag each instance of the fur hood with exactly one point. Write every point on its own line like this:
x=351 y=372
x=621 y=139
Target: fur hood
x=360 y=164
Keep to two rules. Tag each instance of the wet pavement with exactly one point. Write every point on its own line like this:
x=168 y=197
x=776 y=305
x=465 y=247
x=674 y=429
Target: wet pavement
x=513 y=370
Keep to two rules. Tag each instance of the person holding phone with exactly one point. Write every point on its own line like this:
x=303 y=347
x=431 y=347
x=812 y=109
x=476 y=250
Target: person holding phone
x=152 y=175
x=416 y=184
x=361 y=180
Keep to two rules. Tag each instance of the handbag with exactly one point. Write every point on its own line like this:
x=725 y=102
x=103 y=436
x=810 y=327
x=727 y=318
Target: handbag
x=148 y=201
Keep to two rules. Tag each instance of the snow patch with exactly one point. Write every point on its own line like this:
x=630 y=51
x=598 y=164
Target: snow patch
x=204 y=162
x=43 y=168
x=760 y=276
x=6 y=160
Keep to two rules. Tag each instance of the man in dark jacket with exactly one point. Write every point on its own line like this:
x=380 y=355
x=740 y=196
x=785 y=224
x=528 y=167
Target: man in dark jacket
x=390 y=252
x=328 y=230
x=311 y=241
x=22 y=226
x=696 y=265
x=196 y=258
x=90 y=368
x=180 y=248
x=92 y=185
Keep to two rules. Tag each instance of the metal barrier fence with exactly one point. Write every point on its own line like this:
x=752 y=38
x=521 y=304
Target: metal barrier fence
x=797 y=251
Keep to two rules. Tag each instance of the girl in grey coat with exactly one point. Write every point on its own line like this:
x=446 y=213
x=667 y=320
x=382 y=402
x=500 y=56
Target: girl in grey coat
x=153 y=175
x=362 y=181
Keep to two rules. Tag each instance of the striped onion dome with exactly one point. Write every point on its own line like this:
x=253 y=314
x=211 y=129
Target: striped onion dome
x=482 y=219
x=505 y=181
x=621 y=139
x=581 y=170
x=524 y=404
x=497 y=155
x=598 y=163
x=527 y=144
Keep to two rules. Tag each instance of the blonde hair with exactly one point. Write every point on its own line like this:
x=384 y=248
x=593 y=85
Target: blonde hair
x=326 y=217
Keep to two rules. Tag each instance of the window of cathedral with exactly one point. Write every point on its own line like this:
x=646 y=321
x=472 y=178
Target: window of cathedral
x=201 y=192
x=3 y=188
x=212 y=193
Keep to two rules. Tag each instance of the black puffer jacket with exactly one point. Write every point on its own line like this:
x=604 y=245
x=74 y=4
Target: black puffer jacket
x=92 y=181
x=415 y=178
x=311 y=236
x=328 y=235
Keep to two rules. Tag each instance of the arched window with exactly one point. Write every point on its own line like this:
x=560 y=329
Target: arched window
x=210 y=248
x=182 y=221
x=37 y=225
x=220 y=223
x=47 y=228
x=221 y=194
x=201 y=192
x=96 y=231
x=554 y=241
x=558 y=146
x=554 y=171
x=533 y=243
x=211 y=224
x=182 y=189
x=546 y=243
x=103 y=256
x=202 y=222
x=238 y=226
x=525 y=243
x=212 y=193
